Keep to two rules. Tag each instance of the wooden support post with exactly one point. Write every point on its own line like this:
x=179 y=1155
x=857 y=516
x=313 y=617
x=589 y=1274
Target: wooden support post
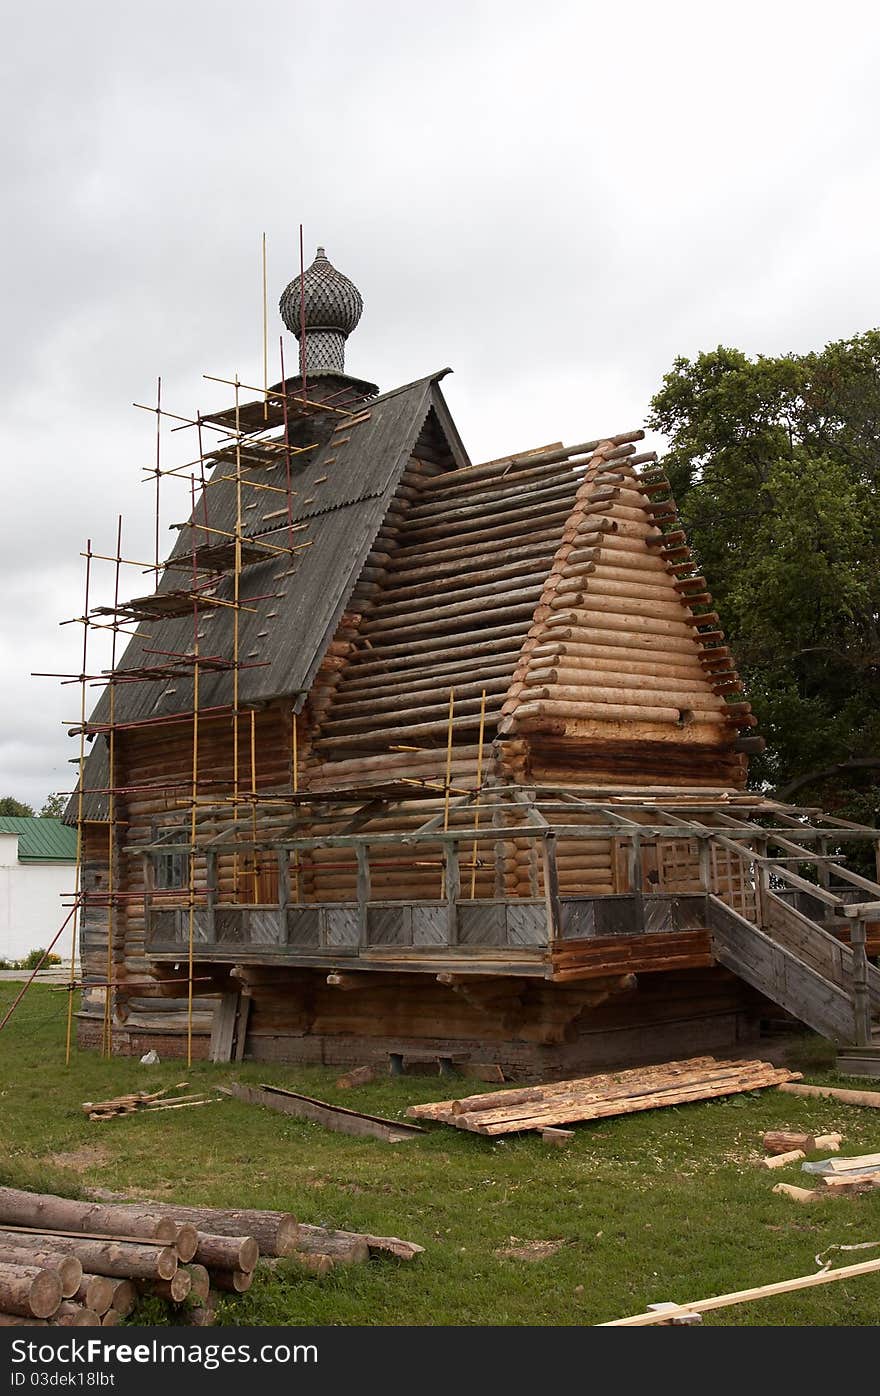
x=452 y=878
x=211 y=892
x=363 y=890
x=500 y=854
x=861 y=999
x=551 y=887
x=706 y=865
x=148 y=895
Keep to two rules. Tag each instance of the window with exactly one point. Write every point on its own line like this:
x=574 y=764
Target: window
x=171 y=870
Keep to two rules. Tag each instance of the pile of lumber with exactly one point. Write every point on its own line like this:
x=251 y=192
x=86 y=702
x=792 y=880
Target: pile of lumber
x=598 y=1097
x=78 y=1263
x=144 y=1100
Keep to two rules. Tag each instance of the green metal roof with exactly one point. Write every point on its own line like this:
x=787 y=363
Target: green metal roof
x=41 y=840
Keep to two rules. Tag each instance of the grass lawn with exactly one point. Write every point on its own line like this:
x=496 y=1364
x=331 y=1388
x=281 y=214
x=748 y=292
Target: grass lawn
x=669 y=1204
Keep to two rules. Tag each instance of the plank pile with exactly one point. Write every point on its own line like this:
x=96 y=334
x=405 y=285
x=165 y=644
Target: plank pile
x=599 y=1097
x=144 y=1100
x=78 y=1263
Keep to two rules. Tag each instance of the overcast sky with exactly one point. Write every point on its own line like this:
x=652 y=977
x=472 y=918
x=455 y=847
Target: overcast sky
x=553 y=199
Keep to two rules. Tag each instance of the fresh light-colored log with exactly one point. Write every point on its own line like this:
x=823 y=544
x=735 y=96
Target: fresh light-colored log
x=848 y=1097
x=783 y=1160
x=796 y=1194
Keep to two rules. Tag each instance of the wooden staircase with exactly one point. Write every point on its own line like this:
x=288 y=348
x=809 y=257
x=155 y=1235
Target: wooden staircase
x=794 y=959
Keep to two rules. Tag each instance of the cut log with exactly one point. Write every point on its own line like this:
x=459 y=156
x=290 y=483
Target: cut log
x=783 y=1160
x=274 y=1232
x=829 y=1142
x=125 y=1260
x=43 y=1210
x=796 y=1194
x=111 y=1319
x=125 y=1297
x=200 y=1282
x=868 y=1098
x=782 y=1141
x=227 y=1252
x=174 y=1291
x=72 y=1315
x=29 y=1290
x=360 y=1076
x=233 y=1281
x=69 y=1270
x=96 y=1292
x=343 y=1247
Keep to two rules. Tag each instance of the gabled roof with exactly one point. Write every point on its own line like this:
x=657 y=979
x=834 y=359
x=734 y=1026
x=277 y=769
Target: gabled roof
x=41 y=840
x=292 y=602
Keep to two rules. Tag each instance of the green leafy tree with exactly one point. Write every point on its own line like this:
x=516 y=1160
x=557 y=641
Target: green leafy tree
x=775 y=464
x=10 y=806
x=53 y=806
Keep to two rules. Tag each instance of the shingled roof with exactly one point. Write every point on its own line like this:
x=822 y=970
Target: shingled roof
x=291 y=603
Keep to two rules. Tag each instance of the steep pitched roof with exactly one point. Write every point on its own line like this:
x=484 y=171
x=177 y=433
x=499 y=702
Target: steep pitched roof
x=291 y=603
x=41 y=839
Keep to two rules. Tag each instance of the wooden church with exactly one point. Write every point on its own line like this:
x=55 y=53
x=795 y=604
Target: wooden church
x=415 y=756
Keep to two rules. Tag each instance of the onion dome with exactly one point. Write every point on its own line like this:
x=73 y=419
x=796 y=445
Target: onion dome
x=331 y=306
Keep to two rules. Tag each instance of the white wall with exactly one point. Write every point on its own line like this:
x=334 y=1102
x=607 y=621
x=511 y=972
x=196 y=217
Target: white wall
x=31 y=910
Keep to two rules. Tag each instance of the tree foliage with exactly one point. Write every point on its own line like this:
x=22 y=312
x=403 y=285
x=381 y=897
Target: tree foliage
x=54 y=806
x=10 y=806
x=774 y=463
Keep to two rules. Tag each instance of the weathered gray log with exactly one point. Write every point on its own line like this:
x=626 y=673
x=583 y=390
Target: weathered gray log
x=96 y=1292
x=68 y=1267
x=227 y=1252
x=125 y=1260
x=29 y=1290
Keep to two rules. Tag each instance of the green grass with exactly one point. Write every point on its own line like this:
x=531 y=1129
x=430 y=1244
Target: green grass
x=665 y=1205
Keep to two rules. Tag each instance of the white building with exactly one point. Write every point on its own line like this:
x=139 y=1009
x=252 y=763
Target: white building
x=37 y=869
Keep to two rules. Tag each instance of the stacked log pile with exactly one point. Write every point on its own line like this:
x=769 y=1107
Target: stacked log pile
x=599 y=1097
x=70 y=1263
